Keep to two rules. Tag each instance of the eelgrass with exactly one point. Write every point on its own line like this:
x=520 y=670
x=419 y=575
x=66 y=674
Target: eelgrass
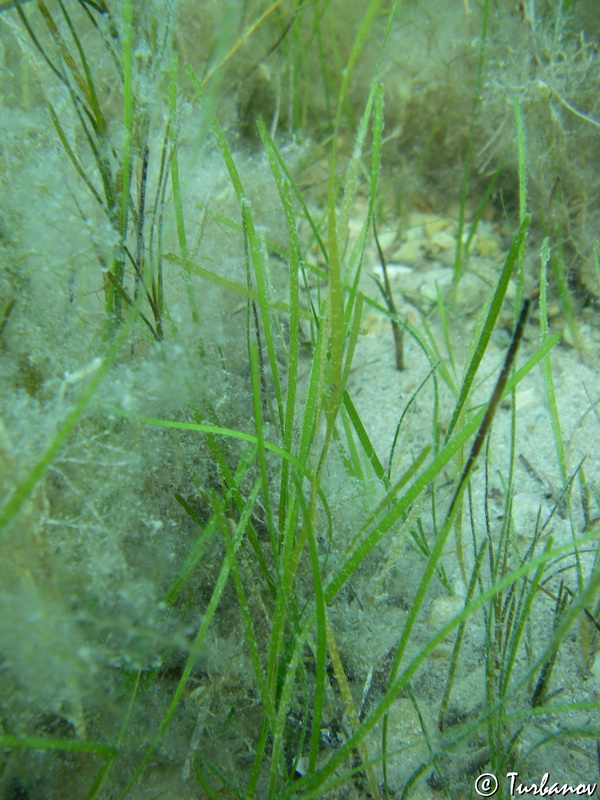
x=271 y=512
x=115 y=171
x=369 y=536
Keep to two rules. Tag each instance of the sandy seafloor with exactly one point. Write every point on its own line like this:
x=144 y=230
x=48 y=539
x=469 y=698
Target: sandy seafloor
x=370 y=619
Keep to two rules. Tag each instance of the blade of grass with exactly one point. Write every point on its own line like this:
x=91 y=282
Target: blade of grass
x=464 y=189
x=117 y=268
x=99 y=369
x=546 y=364
x=197 y=644
x=546 y=367
x=283 y=188
x=232 y=286
x=90 y=93
x=490 y=321
x=400 y=507
x=260 y=442
x=65 y=745
x=252 y=239
x=310 y=782
x=522 y=163
x=364 y=440
x=72 y=157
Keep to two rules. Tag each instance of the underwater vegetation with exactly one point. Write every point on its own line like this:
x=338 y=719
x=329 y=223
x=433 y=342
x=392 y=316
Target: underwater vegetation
x=299 y=398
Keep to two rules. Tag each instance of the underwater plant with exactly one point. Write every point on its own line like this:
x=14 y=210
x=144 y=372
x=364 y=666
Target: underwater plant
x=264 y=534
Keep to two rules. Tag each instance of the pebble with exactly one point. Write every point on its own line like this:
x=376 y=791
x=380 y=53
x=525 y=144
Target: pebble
x=386 y=239
x=487 y=246
x=431 y=237
x=436 y=225
x=411 y=252
x=442 y=246
x=405 y=740
x=582 y=331
x=596 y=668
x=427 y=286
x=373 y=323
x=444 y=240
x=415 y=228
x=422 y=253
x=443 y=609
x=394 y=271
